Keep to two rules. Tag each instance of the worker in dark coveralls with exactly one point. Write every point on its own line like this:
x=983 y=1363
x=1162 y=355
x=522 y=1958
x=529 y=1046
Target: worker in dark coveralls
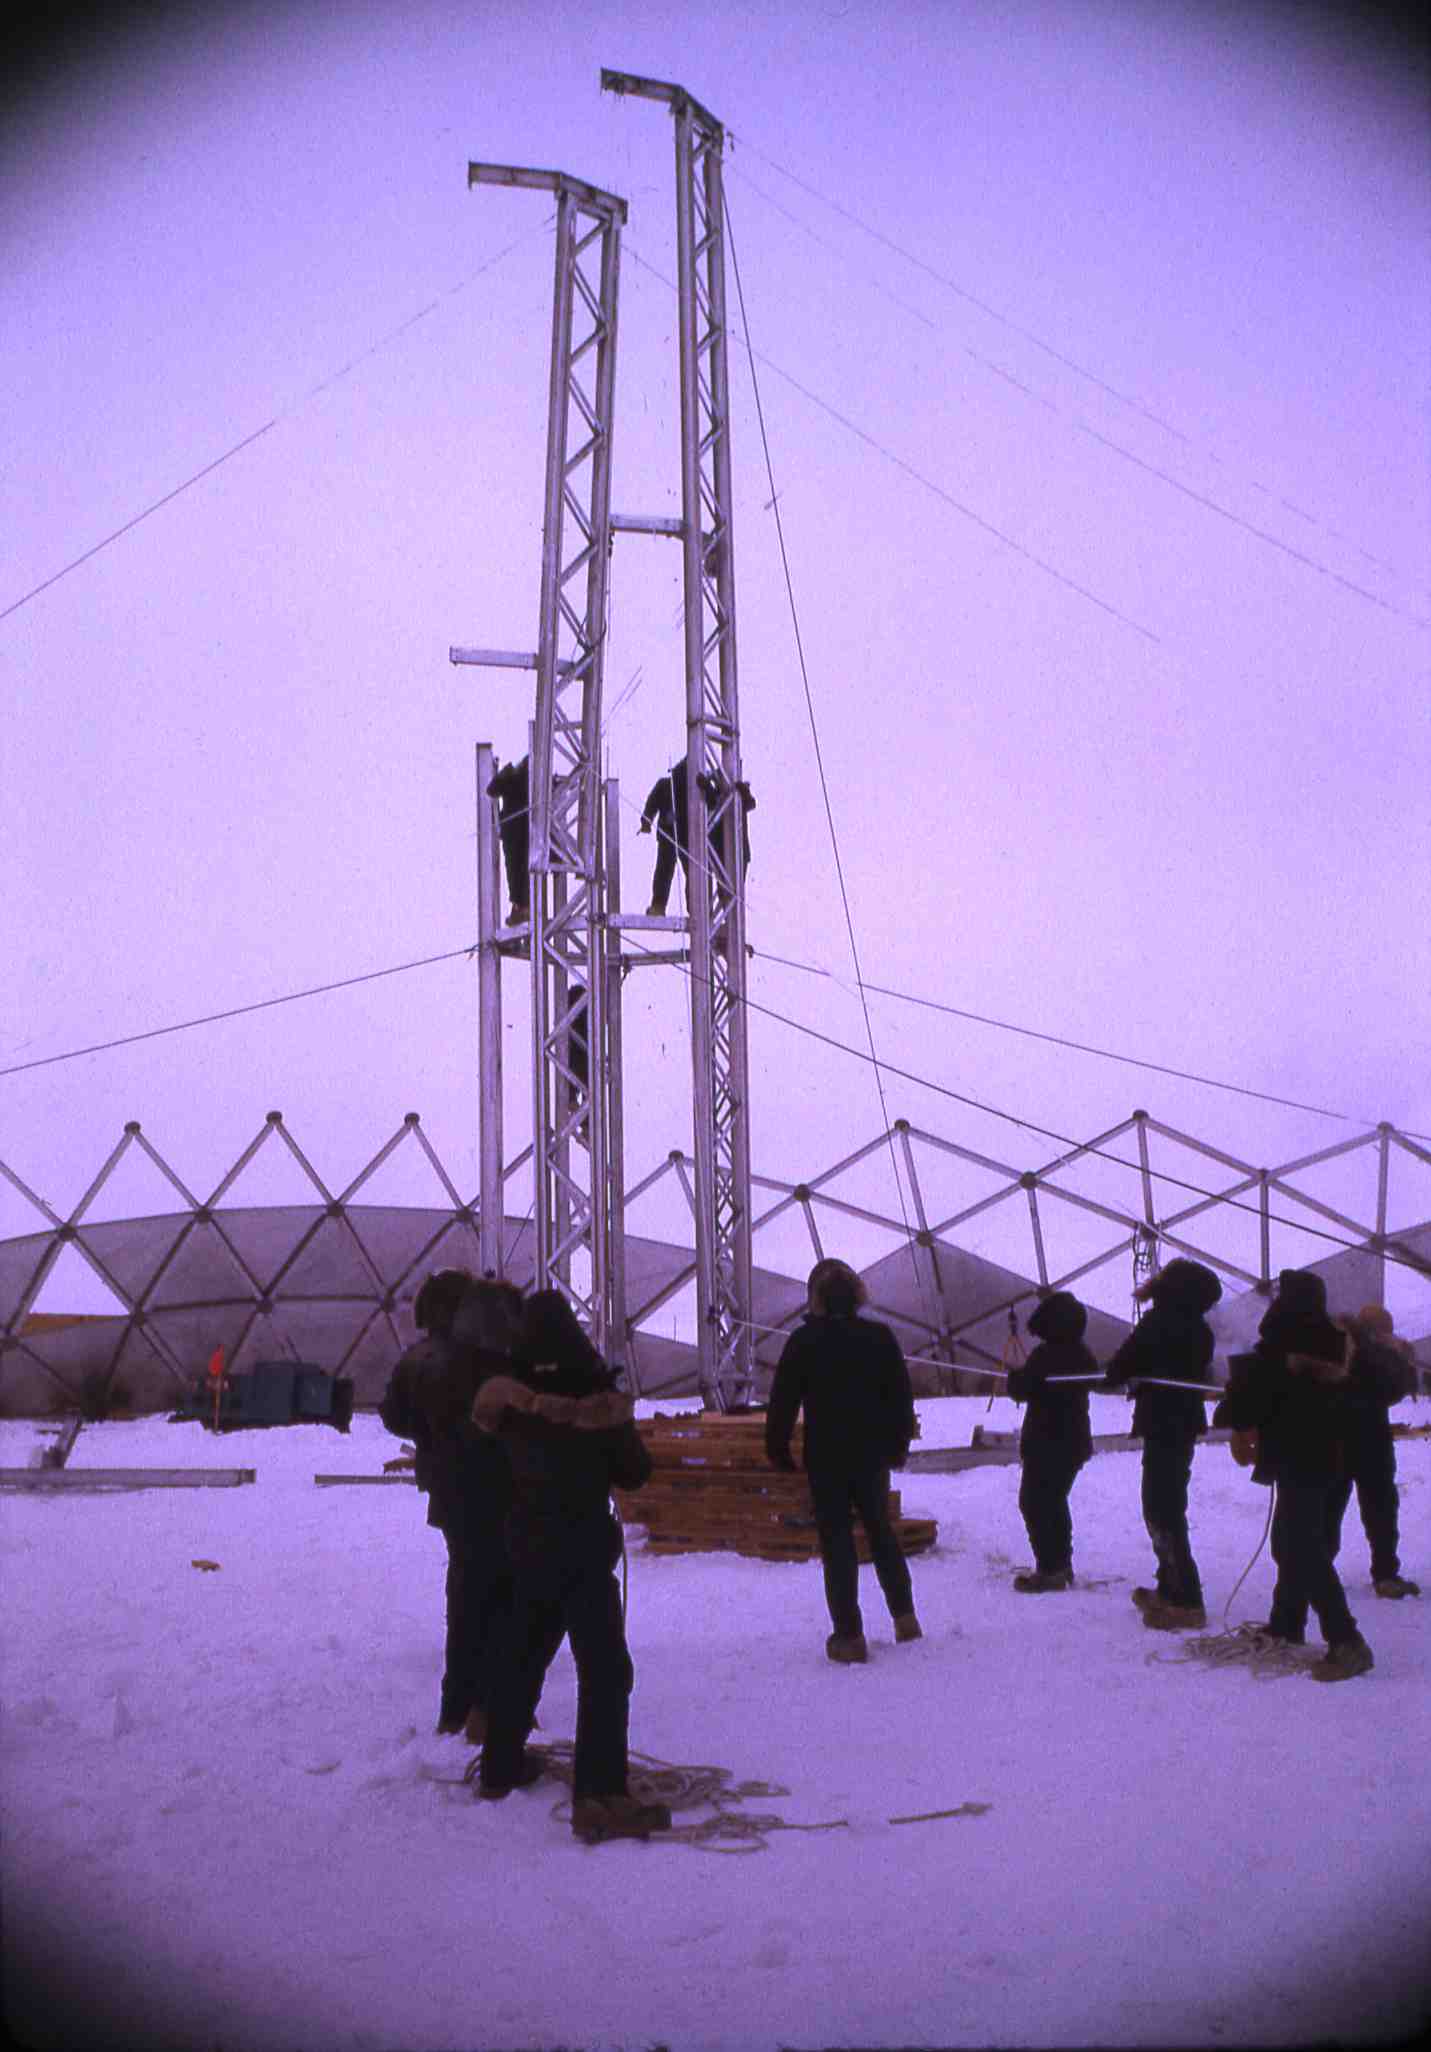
x=1382 y=1373
x=1289 y=1401
x=510 y=788
x=1172 y=1342
x=568 y=1438
x=847 y=1375
x=667 y=809
x=468 y=1328
x=1055 y=1440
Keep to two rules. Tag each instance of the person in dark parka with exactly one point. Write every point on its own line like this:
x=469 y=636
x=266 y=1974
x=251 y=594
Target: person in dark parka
x=568 y=1437
x=847 y=1375
x=1289 y=1398
x=1173 y=1343
x=511 y=789
x=1055 y=1440
x=667 y=809
x=467 y=1327
x=1381 y=1375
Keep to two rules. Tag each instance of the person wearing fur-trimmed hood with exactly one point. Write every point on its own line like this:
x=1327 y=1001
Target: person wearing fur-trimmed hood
x=1291 y=1398
x=1172 y=1343
x=1055 y=1439
x=847 y=1375
x=569 y=1437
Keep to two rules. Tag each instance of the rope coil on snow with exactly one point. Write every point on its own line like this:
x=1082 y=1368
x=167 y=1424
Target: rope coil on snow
x=1248 y=1645
x=689 y=1787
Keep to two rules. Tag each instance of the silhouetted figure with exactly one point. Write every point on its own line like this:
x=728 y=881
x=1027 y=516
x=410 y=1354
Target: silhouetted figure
x=511 y=789
x=1173 y=1343
x=1055 y=1440
x=568 y=1436
x=847 y=1375
x=579 y=1044
x=1381 y=1375
x=468 y=1328
x=667 y=810
x=1291 y=1399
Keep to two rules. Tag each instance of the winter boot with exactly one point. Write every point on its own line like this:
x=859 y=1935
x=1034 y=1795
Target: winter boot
x=531 y=1767
x=1396 y=1586
x=907 y=1628
x=848 y=1648
x=596 y=1818
x=1038 y=1584
x=1146 y=1599
x=1348 y=1658
x=475 y=1729
x=1174 y=1617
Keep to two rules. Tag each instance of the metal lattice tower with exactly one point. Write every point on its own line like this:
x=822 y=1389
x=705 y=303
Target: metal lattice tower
x=576 y=1215
x=720 y=1058
x=575 y=930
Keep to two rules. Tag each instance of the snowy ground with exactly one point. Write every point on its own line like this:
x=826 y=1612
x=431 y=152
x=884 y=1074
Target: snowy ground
x=228 y=1824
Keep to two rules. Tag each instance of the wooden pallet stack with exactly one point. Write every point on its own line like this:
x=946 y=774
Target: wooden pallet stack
x=712 y=1491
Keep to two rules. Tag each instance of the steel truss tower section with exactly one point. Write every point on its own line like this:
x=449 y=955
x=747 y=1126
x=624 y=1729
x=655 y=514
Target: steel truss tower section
x=574 y=1217
x=720 y=1055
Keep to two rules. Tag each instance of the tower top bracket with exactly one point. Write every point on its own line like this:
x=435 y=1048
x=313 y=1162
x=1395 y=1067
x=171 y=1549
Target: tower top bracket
x=675 y=96
x=608 y=204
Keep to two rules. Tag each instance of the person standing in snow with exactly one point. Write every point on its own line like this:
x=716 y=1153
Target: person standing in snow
x=1055 y=1439
x=1291 y=1397
x=1381 y=1375
x=847 y=1375
x=467 y=1328
x=568 y=1437
x=1171 y=1343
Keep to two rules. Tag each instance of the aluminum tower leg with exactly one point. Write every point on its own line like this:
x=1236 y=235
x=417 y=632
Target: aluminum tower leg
x=720 y=1058
x=574 y=1215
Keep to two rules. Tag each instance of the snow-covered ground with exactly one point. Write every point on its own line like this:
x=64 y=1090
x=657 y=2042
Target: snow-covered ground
x=228 y=1823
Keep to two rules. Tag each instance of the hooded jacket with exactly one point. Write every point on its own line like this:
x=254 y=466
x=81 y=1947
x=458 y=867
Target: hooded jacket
x=1056 y=1420
x=848 y=1376
x=569 y=1439
x=1174 y=1342
x=1292 y=1390
x=429 y=1400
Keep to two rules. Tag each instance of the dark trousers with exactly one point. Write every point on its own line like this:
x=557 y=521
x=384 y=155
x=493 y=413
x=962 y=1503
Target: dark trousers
x=665 y=871
x=1373 y=1475
x=586 y=1609
x=1304 y=1522
x=1167 y=1469
x=836 y=1496
x=1049 y=1473
x=479 y=1598
x=515 y=838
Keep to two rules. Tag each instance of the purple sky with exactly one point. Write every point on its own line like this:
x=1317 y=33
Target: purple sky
x=1147 y=257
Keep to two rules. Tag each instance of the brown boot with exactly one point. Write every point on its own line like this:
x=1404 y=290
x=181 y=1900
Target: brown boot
x=907 y=1628
x=1174 y=1617
x=848 y=1648
x=596 y=1818
x=1348 y=1658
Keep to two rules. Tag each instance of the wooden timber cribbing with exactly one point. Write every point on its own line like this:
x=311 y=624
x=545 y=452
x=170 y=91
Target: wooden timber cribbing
x=712 y=1491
